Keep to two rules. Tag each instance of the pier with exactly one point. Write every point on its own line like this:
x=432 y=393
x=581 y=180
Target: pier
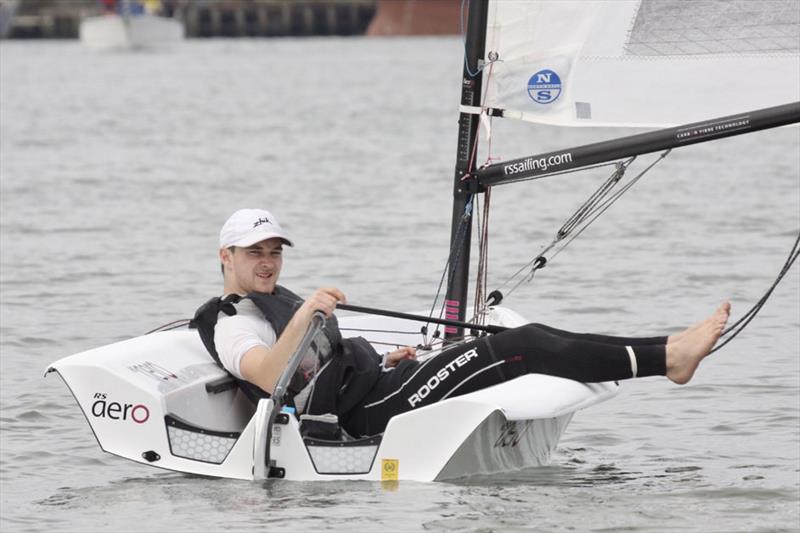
x=60 y=19
x=275 y=18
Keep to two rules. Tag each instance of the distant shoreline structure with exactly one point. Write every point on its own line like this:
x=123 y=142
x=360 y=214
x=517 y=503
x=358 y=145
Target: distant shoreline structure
x=416 y=17
x=60 y=19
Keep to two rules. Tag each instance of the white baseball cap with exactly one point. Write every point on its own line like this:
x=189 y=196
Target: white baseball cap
x=248 y=226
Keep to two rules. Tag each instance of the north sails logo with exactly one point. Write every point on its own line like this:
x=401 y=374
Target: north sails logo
x=262 y=220
x=441 y=375
x=544 y=87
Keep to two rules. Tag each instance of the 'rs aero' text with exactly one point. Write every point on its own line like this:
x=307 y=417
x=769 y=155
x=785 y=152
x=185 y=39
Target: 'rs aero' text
x=103 y=408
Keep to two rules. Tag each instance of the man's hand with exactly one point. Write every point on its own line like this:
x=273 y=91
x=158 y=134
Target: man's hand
x=263 y=366
x=323 y=300
x=406 y=352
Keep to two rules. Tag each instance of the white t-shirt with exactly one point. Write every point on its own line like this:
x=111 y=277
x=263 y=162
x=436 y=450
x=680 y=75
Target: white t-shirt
x=235 y=335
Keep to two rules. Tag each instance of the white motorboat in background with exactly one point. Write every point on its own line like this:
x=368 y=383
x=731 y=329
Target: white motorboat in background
x=7 y=10
x=130 y=26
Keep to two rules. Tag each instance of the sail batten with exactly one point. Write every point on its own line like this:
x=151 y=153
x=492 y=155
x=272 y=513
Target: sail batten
x=651 y=63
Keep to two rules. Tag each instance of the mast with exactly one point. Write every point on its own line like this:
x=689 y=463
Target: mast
x=461 y=226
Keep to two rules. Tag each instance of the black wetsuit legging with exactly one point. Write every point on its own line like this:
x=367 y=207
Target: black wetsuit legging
x=473 y=366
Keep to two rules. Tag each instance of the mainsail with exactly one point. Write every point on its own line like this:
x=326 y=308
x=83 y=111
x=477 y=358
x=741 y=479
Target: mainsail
x=650 y=63
x=699 y=71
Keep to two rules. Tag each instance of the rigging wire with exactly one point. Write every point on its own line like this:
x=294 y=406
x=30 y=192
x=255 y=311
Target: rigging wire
x=482 y=278
x=389 y=331
x=597 y=204
x=461 y=234
x=424 y=345
x=176 y=324
x=480 y=66
x=452 y=259
x=740 y=324
x=605 y=205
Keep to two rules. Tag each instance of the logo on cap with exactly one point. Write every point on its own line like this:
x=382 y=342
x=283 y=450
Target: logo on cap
x=260 y=221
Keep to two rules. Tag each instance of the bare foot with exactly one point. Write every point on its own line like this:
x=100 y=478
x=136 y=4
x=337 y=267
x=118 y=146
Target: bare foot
x=685 y=352
x=723 y=311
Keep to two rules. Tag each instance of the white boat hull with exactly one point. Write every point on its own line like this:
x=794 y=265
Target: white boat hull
x=136 y=31
x=148 y=399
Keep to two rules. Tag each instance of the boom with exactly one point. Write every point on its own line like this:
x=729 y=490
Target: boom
x=643 y=143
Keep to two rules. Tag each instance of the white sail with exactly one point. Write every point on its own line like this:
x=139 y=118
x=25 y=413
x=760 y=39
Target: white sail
x=640 y=62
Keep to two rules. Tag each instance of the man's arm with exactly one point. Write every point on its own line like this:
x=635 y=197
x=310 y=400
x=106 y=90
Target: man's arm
x=263 y=366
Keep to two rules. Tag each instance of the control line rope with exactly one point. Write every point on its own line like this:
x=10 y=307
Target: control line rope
x=740 y=324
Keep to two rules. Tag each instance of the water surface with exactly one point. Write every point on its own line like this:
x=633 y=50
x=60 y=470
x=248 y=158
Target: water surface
x=118 y=169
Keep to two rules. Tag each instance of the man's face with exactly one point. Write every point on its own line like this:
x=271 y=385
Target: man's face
x=255 y=268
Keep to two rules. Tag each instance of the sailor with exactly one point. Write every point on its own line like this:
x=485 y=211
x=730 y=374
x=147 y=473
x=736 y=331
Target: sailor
x=255 y=327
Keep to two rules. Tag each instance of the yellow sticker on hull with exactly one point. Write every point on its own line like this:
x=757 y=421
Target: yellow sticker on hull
x=390 y=469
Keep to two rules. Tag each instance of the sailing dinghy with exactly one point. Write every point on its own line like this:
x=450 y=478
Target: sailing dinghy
x=159 y=399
